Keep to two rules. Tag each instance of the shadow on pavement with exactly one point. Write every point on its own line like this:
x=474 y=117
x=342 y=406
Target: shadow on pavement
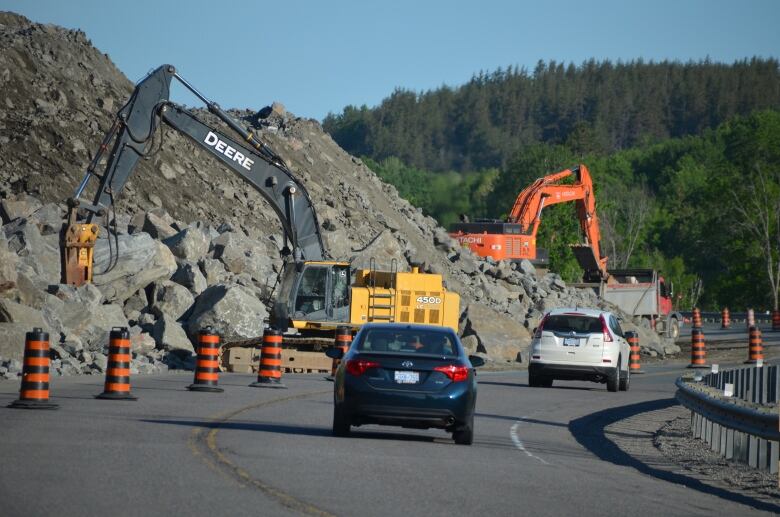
x=590 y=432
x=248 y=426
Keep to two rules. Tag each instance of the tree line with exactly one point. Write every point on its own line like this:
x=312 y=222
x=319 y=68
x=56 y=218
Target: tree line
x=596 y=106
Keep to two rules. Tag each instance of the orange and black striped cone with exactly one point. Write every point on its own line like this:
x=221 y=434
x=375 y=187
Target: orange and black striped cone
x=696 y=318
x=343 y=341
x=725 y=318
x=269 y=374
x=117 y=386
x=633 y=359
x=698 y=350
x=207 y=365
x=34 y=392
x=755 y=346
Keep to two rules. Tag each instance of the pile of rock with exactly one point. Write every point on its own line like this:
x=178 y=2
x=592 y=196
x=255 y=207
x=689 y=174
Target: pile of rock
x=196 y=245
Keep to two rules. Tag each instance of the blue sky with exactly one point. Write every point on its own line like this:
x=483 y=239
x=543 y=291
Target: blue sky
x=319 y=56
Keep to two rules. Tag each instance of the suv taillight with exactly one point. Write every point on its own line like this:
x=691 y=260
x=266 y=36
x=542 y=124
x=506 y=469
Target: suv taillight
x=605 y=329
x=538 y=333
x=455 y=373
x=358 y=367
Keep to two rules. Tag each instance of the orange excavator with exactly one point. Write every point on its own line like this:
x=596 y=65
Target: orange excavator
x=515 y=238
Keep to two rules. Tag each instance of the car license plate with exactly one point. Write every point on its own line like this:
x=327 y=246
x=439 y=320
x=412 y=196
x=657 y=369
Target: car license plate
x=404 y=377
x=571 y=341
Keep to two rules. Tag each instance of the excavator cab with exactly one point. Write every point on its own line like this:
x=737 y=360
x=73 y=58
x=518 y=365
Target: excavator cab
x=312 y=293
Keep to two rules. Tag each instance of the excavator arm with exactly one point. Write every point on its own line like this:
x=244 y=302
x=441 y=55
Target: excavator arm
x=547 y=191
x=131 y=138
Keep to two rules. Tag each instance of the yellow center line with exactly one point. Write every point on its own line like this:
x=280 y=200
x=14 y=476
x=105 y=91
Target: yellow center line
x=204 y=445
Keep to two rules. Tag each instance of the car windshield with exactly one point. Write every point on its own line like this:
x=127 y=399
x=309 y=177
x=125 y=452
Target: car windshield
x=407 y=340
x=567 y=323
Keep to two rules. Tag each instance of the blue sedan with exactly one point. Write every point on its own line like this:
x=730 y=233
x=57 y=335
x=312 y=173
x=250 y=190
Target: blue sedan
x=414 y=376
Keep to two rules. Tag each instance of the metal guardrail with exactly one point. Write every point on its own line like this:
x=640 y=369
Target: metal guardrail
x=738 y=317
x=744 y=427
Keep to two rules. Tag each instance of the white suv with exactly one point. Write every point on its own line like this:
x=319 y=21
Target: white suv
x=579 y=344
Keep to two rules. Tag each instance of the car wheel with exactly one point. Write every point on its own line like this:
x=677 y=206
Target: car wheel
x=625 y=380
x=614 y=378
x=547 y=382
x=464 y=435
x=533 y=381
x=340 y=422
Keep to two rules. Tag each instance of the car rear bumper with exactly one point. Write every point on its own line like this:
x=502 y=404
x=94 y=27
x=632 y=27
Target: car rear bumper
x=597 y=373
x=445 y=409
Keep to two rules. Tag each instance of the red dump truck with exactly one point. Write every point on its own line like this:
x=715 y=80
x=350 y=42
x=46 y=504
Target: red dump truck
x=644 y=294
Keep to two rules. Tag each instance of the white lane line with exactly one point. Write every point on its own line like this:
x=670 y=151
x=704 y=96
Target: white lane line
x=519 y=444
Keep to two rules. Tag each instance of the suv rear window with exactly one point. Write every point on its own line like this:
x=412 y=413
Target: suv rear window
x=407 y=341
x=567 y=323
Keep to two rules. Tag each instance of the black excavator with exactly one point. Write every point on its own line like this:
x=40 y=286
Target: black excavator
x=314 y=294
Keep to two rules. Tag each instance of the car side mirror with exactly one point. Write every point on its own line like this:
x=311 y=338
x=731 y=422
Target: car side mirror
x=334 y=353
x=476 y=361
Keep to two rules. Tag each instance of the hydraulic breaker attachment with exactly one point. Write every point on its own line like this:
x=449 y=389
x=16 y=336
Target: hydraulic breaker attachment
x=79 y=245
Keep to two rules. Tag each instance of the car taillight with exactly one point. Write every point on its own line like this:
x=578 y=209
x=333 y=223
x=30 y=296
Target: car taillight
x=538 y=333
x=455 y=373
x=358 y=367
x=605 y=329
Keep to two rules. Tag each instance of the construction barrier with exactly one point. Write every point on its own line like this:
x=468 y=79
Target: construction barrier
x=750 y=320
x=207 y=365
x=776 y=321
x=34 y=391
x=633 y=359
x=698 y=350
x=117 y=386
x=725 y=318
x=343 y=341
x=696 y=318
x=755 y=346
x=270 y=373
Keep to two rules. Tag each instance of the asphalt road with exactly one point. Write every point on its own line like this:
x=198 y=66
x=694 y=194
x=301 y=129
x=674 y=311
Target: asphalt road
x=257 y=451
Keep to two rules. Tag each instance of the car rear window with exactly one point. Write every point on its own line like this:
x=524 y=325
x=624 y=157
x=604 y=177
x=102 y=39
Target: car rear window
x=567 y=323
x=405 y=341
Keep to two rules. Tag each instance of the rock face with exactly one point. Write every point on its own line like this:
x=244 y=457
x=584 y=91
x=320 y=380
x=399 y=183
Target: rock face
x=207 y=252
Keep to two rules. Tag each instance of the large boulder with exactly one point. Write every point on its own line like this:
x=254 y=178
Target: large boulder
x=21 y=206
x=240 y=254
x=192 y=243
x=12 y=312
x=497 y=335
x=12 y=336
x=8 y=273
x=189 y=275
x=170 y=336
x=171 y=299
x=229 y=309
x=140 y=261
x=40 y=253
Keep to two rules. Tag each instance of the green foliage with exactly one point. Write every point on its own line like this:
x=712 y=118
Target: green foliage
x=594 y=108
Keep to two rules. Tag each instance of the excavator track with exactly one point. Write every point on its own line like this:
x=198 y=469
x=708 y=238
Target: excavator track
x=300 y=354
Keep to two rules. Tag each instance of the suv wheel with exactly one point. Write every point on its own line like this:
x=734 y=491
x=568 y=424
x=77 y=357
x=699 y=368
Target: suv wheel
x=625 y=380
x=614 y=378
x=547 y=382
x=533 y=380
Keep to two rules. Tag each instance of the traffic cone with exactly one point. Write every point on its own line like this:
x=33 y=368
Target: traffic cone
x=343 y=341
x=775 y=321
x=698 y=350
x=207 y=365
x=755 y=346
x=269 y=374
x=34 y=391
x=633 y=359
x=725 y=318
x=696 y=318
x=117 y=386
